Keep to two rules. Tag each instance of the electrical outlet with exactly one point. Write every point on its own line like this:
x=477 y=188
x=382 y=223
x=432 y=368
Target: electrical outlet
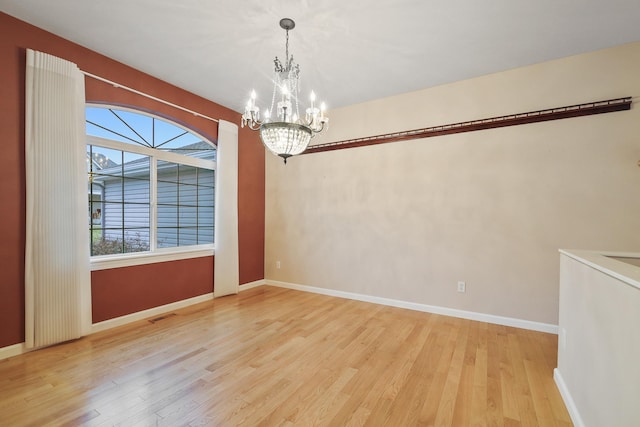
x=462 y=287
x=278 y=264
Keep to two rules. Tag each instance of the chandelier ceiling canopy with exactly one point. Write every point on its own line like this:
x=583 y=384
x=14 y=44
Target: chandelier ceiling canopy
x=282 y=129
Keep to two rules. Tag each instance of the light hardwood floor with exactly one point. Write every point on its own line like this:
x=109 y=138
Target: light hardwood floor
x=277 y=357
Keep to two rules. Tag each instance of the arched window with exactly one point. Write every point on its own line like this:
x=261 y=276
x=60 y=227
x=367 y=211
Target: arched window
x=151 y=184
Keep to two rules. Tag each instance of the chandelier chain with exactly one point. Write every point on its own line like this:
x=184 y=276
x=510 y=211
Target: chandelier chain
x=287 y=50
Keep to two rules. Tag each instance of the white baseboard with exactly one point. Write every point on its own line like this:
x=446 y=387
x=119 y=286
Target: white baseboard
x=12 y=350
x=470 y=315
x=252 y=285
x=140 y=315
x=568 y=400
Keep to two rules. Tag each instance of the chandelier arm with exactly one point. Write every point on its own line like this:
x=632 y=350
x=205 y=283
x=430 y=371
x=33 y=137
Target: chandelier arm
x=253 y=125
x=317 y=128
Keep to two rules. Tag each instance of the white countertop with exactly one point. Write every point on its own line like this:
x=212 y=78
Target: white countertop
x=602 y=261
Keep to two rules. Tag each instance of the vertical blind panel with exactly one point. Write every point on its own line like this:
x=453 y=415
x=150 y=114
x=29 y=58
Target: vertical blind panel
x=227 y=266
x=57 y=276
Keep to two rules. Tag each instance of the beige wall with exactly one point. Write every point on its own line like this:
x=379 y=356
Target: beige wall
x=408 y=220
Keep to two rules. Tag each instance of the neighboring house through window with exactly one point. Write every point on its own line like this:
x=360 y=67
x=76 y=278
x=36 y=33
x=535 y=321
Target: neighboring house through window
x=151 y=184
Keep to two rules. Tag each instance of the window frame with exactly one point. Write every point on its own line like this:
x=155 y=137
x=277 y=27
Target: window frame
x=155 y=254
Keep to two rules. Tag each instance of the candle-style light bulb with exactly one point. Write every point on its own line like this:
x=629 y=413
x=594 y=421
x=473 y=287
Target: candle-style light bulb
x=313 y=99
x=252 y=100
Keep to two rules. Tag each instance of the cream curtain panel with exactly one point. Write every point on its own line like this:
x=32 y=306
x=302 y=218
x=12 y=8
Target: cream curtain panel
x=57 y=274
x=227 y=268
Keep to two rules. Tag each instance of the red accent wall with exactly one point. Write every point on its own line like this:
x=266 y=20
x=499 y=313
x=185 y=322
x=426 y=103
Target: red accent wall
x=119 y=291
x=116 y=292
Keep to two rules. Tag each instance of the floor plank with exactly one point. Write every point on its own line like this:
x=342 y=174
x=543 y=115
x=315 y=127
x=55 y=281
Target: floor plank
x=278 y=357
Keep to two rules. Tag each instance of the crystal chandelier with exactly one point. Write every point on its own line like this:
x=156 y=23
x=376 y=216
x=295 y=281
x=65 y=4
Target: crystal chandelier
x=289 y=133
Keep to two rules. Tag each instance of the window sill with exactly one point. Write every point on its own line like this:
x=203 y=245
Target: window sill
x=128 y=260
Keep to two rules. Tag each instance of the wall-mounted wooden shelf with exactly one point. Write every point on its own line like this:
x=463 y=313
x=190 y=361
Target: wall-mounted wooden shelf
x=587 y=109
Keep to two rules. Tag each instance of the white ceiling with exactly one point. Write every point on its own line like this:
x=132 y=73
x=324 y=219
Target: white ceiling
x=349 y=51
